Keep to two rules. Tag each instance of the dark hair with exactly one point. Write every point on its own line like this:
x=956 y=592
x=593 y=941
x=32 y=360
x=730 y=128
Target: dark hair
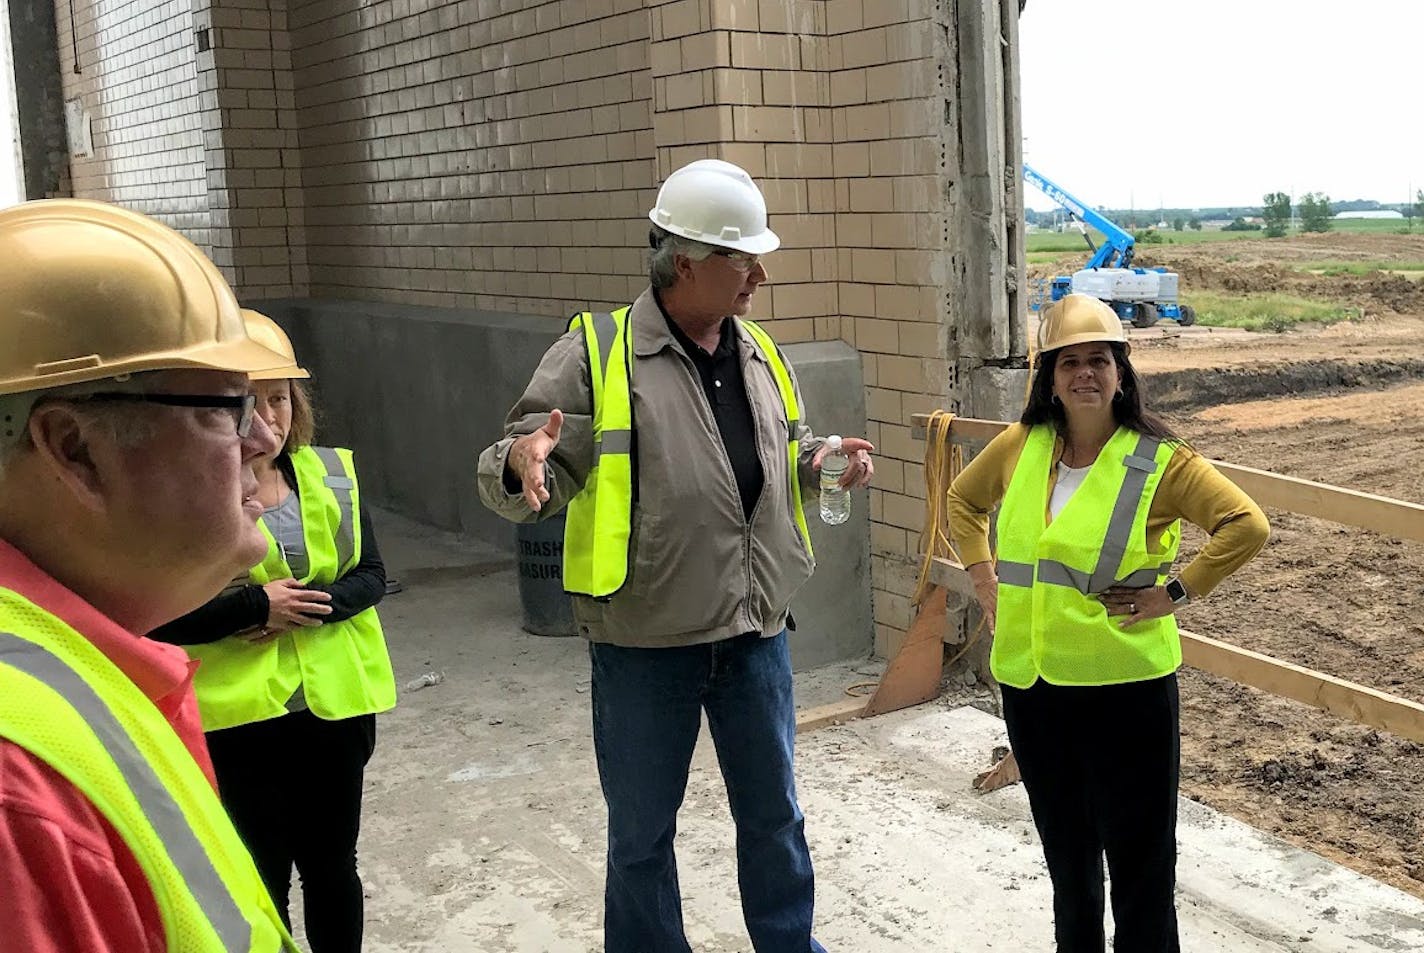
x=1128 y=408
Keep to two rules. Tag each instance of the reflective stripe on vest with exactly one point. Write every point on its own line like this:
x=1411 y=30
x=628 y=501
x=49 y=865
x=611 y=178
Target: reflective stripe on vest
x=599 y=522
x=342 y=668
x=343 y=488
x=64 y=702
x=1050 y=622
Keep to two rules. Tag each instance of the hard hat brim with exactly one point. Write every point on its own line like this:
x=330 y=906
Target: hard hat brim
x=239 y=356
x=1086 y=337
x=287 y=372
x=763 y=243
x=242 y=355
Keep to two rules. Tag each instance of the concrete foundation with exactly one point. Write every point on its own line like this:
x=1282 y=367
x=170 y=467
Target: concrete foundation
x=418 y=392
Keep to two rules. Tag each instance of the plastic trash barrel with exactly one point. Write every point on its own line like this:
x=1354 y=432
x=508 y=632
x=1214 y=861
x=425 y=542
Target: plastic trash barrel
x=547 y=609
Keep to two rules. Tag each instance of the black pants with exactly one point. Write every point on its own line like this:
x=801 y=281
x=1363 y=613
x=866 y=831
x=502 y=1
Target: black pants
x=1101 y=766
x=292 y=786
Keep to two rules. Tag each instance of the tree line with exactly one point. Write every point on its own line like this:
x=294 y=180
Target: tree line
x=1314 y=211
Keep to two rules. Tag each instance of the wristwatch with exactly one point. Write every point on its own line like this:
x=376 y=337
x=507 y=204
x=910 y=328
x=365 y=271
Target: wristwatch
x=1177 y=592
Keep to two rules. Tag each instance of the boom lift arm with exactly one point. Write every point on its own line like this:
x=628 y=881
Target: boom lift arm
x=1116 y=251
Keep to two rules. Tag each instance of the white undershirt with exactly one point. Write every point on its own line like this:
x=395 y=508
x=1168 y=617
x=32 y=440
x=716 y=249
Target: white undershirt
x=1069 y=479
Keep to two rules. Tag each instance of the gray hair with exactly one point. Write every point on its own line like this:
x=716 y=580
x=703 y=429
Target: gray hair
x=126 y=429
x=662 y=263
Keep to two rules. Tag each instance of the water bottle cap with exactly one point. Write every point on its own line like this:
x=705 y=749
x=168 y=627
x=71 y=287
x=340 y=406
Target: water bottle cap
x=833 y=442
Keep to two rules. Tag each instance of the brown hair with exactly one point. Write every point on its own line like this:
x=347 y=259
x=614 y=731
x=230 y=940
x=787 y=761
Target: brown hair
x=303 y=418
x=1129 y=407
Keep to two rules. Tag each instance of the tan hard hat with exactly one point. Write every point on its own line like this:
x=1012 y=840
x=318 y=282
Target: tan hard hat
x=269 y=334
x=1078 y=319
x=90 y=291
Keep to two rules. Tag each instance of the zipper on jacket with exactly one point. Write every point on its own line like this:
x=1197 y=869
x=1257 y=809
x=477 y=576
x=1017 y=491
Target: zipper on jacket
x=756 y=507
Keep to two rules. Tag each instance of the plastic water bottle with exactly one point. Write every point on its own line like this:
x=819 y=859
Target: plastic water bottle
x=835 y=499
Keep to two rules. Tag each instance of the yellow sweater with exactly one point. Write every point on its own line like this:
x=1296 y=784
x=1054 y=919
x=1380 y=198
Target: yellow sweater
x=1191 y=489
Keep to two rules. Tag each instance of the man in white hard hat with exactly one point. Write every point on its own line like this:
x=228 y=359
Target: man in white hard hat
x=672 y=432
x=126 y=499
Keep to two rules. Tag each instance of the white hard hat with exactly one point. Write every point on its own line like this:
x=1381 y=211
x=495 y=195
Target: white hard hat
x=717 y=203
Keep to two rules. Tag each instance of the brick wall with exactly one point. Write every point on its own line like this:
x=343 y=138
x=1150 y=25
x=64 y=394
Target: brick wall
x=889 y=229
x=457 y=155
x=253 y=158
x=747 y=81
x=132 y=65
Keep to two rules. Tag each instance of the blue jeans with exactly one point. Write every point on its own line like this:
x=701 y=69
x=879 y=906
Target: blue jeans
x=647 y=711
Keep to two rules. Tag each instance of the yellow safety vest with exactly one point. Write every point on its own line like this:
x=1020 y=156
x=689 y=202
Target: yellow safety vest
x=1050 y=624
x=66 y=703
x=342 y=668
x=600 y=518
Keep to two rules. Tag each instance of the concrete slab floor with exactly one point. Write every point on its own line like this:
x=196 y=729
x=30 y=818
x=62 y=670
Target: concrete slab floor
x=484 y=824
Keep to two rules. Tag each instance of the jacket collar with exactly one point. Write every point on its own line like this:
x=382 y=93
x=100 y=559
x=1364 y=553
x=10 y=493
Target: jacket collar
x=651 y=334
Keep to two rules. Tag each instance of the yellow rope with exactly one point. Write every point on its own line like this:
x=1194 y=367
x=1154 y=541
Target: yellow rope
x=943 y=461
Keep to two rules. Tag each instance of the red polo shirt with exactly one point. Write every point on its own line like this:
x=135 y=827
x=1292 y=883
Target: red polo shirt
x=68 y=881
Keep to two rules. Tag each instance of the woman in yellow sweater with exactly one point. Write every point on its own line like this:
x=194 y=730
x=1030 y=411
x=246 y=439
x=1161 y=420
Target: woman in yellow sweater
x=1091 y=489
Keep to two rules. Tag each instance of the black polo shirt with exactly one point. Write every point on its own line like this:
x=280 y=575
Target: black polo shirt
x=721 y=374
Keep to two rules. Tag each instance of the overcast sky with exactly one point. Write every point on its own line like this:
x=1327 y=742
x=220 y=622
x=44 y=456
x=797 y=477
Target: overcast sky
x=1192 y=103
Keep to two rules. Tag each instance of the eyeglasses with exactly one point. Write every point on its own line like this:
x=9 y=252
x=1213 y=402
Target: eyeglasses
x=245 y=405
x=739 y=260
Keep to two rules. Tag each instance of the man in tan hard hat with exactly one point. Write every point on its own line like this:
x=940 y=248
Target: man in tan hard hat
x=126 y=499
x=672 y=430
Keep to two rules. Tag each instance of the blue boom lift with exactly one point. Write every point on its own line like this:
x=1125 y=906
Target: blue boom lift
x=1139 y=295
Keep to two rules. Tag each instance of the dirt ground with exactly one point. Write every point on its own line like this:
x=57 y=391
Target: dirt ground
x=1284 y=265
x=1343 y=601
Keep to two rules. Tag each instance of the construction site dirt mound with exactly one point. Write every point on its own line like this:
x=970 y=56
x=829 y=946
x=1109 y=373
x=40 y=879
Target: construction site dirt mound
x=1191 y=389
x=1305 y=249
x=1374 y=291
